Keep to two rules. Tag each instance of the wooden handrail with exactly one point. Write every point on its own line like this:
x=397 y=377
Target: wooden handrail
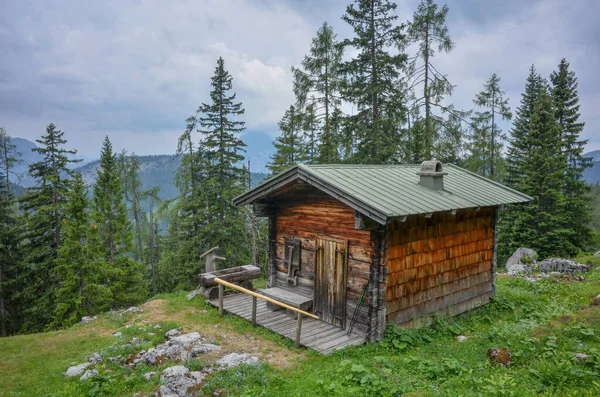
x=257 y=295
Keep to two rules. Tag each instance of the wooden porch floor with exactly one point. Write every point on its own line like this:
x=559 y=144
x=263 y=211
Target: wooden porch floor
x=317 y=335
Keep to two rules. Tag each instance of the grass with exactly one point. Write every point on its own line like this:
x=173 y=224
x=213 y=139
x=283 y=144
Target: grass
x=542 y=324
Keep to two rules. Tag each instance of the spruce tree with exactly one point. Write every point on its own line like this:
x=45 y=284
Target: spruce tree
x=82 y=275
x=10 y=244
x=132 y=188
x=371 y=80
x=427 y=30
x=43 y=207
x=486 y=142
x=576 y=190
x=109 y=214
x=289 y=146
x=316 y=86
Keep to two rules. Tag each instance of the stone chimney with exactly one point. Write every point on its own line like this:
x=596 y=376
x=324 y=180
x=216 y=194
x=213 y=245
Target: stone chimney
x=432 y=175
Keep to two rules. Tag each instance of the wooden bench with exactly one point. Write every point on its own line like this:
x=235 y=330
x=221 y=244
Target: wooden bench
x=287 y=297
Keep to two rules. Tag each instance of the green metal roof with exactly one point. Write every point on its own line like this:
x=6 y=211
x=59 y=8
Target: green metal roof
x=382 y=192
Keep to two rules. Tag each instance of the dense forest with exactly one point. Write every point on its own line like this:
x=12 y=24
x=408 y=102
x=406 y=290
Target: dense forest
x=68 y=250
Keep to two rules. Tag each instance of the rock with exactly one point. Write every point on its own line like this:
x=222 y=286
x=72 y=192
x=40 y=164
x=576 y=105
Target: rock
x=596 y=301
x=185 y=340
x=150 y=375
x=176 y=370
x=582 y=356
x=461 y=338
x=562 y=265
x=597 y=254
x=77 y=369
x=157 y=326
x=171 y=333
x=118 y=334
x=501 y=356
x=197 y=376
x=204 y=348
x=235 y=359
x=152 y=357
x=177 y=352
x=95 y=359
x=131 y=310
x=90 y=373
x=87 y=319
x=193 y=294
x=521 y=261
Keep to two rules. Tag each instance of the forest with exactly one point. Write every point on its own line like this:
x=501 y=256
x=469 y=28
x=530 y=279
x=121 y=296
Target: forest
x=68 y=250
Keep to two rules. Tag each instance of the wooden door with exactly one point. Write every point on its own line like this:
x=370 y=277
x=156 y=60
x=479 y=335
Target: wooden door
x=331 y=275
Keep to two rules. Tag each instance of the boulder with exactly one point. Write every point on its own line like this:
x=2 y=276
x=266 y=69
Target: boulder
x=562 y=265
x=90 y=373
x=174 y=371
x=95 y=359
x=521 y=261
x=235 y=359
x=185 y=340
x=76 y=370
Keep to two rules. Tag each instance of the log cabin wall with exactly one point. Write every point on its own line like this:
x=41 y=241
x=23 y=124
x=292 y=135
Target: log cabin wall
x=305 y=213
x=439 y=264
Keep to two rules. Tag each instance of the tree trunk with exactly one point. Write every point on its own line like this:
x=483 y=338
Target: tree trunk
x=428 y=135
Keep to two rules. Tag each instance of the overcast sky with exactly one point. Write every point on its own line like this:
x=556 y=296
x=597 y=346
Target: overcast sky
x=136 y=69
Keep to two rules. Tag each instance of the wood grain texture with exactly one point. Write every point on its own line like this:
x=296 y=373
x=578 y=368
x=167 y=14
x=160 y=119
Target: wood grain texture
x=439 y=263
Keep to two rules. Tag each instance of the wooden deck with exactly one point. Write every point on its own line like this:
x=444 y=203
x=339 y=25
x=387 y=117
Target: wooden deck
x=317 y=335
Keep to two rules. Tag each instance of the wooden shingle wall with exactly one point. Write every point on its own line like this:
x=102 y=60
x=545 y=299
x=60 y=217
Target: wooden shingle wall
x=442 y=263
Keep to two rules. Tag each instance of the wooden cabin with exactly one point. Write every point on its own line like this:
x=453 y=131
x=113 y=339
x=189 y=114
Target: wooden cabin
x=419 y=240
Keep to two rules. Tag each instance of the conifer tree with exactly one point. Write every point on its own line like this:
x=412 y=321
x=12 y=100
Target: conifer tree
x=427 y=30
x=82 y=276
x=371 y=80
x=132 y=188
x=486 y=142
x=110 y=217
x=289 y=146
x=576 y=190
x=10 y=254
x=316 y=86
x=43 y=206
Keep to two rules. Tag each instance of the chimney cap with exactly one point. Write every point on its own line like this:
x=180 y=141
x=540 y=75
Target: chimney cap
x=432 y=167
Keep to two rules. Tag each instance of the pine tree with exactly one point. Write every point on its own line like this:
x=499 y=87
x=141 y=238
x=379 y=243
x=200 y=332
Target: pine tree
x=289 y=146
x=576 y=190
x=486 y=142
x=311 y=131
x=132 y=188
x=317 y=84
x=371 y=82
x=541 y=224
x=10 y=253
x=82 y=275
x=426 y=30
x=43 y=206
x=110 y=216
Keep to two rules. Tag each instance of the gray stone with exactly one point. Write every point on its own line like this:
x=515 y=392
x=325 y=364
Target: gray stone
x=193 y=294
x=157 y=326
x=90 y=373
x=176 y=352
x=152 y=356
x=171 y=333
x=562 y=265
x=95 y=359
x=87 y=319
x=149 y=375
x=515 y=263
x=197 y=376
x=597 y=254
x=235 y=359
x=118 y=334
x=185 y=340
x=461 y=338
x=131 y=310
x=581 y=356
x=204 y=348
x=77 y=369
x=174 y=371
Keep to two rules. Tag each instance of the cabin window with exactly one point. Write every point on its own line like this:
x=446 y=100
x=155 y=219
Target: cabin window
x=292 y=257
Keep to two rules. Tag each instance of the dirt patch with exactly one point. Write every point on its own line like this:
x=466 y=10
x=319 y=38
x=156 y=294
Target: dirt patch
x=220 y=333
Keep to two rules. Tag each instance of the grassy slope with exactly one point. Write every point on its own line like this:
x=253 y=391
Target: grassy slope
x=542 y=323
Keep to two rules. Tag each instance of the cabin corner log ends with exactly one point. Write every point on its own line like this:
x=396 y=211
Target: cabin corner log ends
x=255 y=296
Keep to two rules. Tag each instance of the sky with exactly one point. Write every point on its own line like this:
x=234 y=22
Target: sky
x=136 y=69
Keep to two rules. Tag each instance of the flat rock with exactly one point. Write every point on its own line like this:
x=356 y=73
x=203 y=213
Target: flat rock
x=204 y=348
x=235 y=359
x=171 y=333
x=90 y=373
x=185 y=340
x=521 y=261
x=174 y=371
x=76 y=370
x=562 y=265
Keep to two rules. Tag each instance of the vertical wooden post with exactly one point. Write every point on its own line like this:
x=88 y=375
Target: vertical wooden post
x=221 y=293
x=254 y=311
x=298 y=330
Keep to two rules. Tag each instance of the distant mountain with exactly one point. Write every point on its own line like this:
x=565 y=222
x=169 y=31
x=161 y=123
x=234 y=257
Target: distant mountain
x=259 y=150
x=592 y=174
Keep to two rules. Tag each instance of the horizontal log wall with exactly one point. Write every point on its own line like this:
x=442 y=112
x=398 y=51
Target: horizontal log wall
x=439 y=264
x=306 y=213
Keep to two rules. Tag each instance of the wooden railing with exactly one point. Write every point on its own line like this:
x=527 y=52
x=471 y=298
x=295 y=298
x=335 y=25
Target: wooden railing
x=255 y=296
